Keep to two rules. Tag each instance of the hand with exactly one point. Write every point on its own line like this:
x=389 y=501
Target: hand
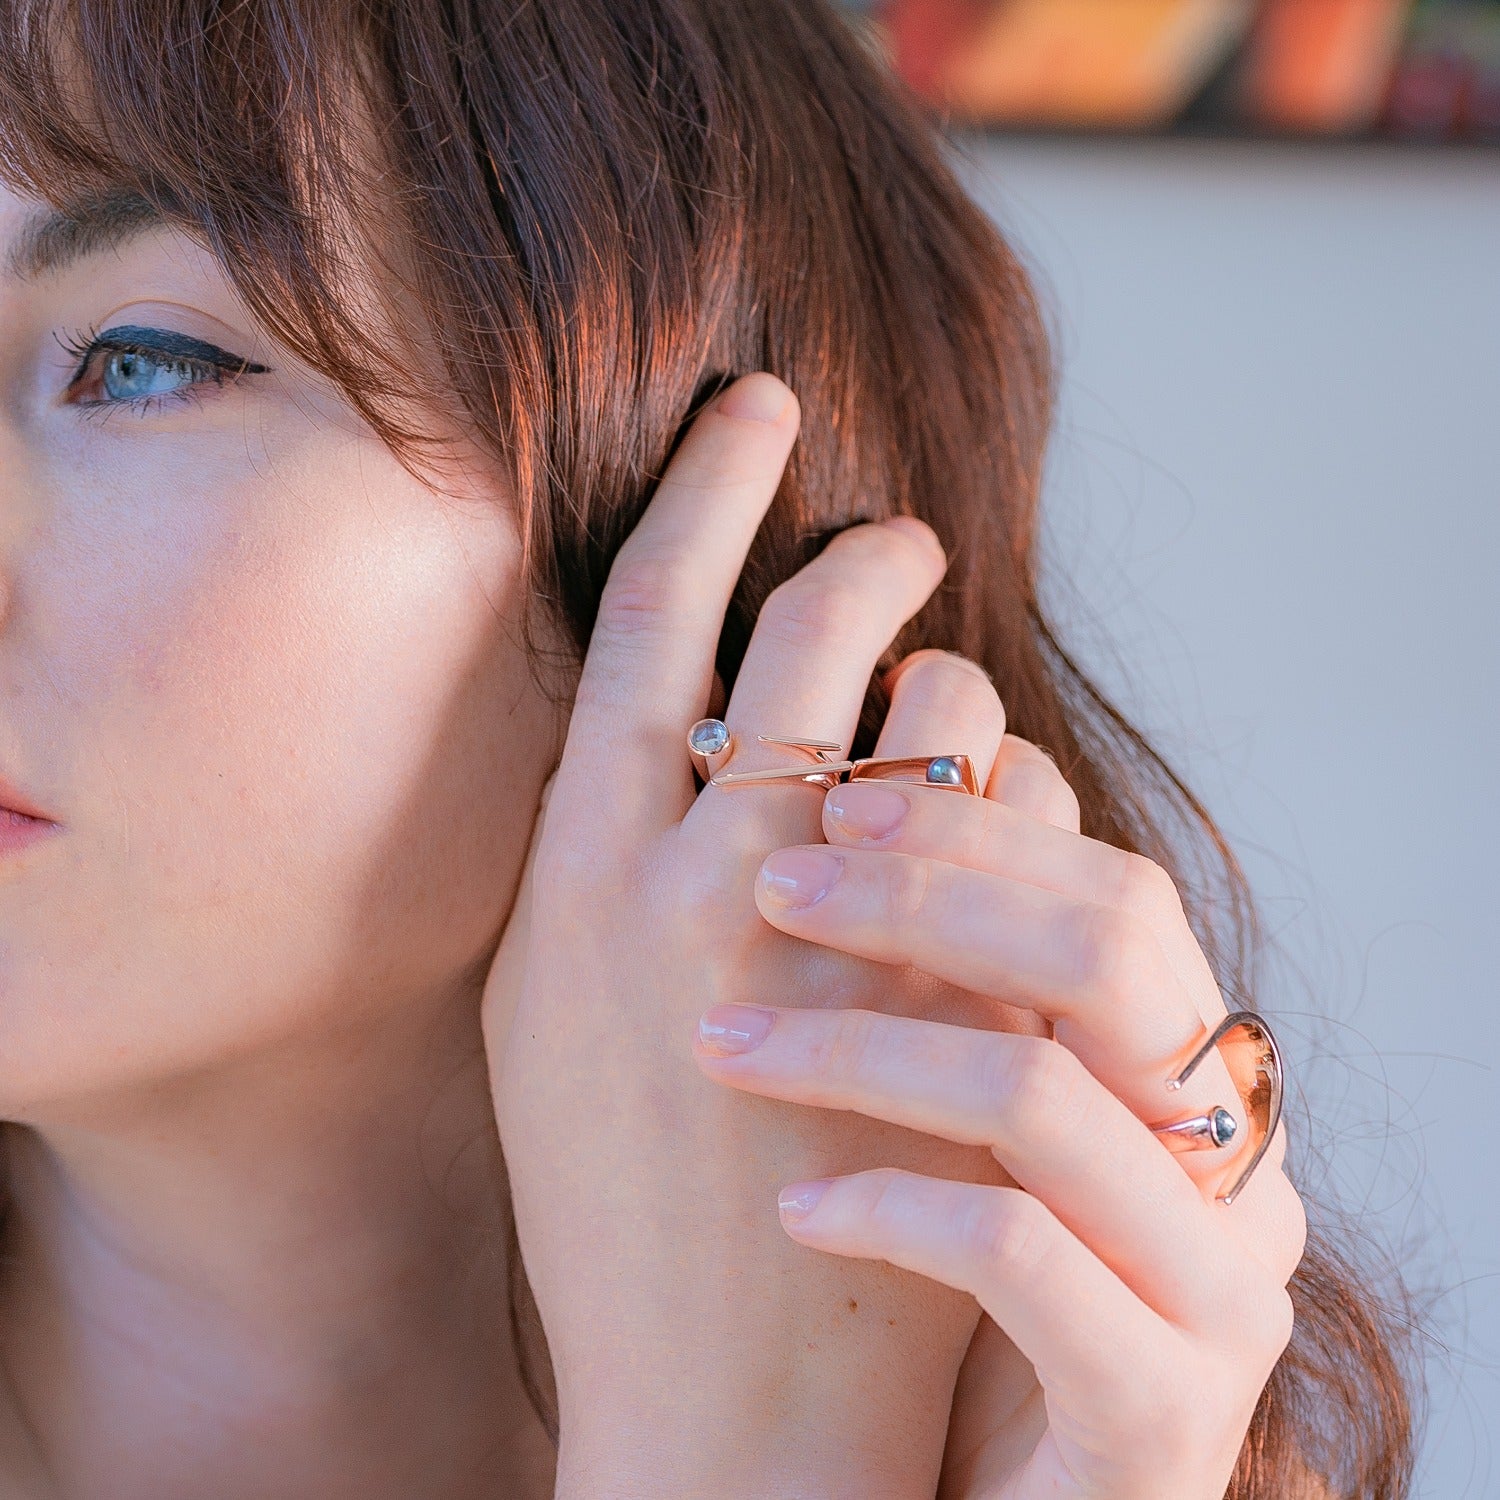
x=696 y=1349
x=1151 y=1315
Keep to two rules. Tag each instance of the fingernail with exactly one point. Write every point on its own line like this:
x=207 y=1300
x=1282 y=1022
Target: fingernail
x=734 y=1028
x=800 y=877
x=755 y=400
x=798 y=1199
x=866 y=811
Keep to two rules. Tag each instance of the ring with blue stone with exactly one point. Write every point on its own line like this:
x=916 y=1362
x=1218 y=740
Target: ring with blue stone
x=1252 y=1057
x=1205 y=1132
x=707 y=738
x=950 y=772
x=711 y=738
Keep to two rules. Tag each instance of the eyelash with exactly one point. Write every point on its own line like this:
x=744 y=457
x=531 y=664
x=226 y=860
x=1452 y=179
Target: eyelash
x=84 y=345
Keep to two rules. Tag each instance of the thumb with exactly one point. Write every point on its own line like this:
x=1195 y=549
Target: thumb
x=503 y=983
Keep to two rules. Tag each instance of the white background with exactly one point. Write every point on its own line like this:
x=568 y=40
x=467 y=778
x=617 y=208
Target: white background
x=1274 y=485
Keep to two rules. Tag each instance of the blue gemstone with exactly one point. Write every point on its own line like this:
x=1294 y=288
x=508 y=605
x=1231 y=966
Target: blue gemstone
x=708 y=736
x=1224 y=1127
x=945 y=771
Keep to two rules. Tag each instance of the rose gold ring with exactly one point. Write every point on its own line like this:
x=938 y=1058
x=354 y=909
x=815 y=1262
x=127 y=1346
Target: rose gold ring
x=710 y=743
x=1251 y=1054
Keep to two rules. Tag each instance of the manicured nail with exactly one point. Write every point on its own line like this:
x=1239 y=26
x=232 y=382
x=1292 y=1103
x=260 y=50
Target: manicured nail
x=755 y=400
x=734 y=1028
x=798 y=1199
x=865 y=810
x=800 y=877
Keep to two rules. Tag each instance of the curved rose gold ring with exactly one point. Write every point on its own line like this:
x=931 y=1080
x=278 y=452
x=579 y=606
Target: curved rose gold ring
x=1250 y=1052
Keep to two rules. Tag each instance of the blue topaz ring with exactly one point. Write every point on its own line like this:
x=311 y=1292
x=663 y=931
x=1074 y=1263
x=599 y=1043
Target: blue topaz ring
x=710 y=743
x=706 y=739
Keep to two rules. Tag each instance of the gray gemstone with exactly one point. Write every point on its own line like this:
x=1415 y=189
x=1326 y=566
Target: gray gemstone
x=708 y=736
x=1224 y=1127
x=944 y=770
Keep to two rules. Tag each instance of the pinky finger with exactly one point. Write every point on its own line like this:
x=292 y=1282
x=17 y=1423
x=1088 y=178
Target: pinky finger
x=1062 y=1307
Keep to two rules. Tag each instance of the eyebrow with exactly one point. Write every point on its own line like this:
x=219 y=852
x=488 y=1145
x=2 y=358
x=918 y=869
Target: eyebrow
x=52 y=239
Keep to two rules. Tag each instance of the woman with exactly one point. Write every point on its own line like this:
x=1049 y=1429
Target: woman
x=374 y=448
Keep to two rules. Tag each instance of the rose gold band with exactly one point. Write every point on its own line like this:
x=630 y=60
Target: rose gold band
x=950 y=772
x=1250 y=1052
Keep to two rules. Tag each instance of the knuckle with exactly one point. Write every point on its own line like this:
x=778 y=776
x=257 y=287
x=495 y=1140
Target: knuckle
x=577 y=864
x=849 y=1050
x=1007 y=1227
x=936 y=667
x=704 y=903
x=808 y=612
x=1114 y=952
x=886 y=1188
x=1060 y=804
x=1032 y=782
x=1280 y=1322
x=910 y=888
x=1033 y=1077
x=1255 y=1323
x=1262 y=1326
x=642 y=588
x=1143 y=887
x=944 y=684
x=1292 y=1212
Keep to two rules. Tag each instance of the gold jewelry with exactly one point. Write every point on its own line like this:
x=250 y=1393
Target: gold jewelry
x=710 y=737
x=1251 y=1054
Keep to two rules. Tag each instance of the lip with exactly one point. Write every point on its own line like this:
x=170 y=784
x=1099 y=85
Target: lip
x=18 y=832
x=13 y=801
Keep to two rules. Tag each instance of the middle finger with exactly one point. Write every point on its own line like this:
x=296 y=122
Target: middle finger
x=807 y=668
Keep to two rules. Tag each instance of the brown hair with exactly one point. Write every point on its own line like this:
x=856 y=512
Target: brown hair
x=604 y=210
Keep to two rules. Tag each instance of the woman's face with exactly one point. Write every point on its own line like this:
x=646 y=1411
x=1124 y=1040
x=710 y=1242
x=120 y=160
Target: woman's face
x=267 y=683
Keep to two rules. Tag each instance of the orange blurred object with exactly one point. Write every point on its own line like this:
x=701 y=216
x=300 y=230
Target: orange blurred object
x=1131 y=63
x=1321 y=65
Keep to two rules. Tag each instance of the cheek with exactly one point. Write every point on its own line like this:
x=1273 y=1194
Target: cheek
x=281 y=799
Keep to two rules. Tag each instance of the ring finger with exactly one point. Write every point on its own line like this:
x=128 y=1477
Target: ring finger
x=942 y=703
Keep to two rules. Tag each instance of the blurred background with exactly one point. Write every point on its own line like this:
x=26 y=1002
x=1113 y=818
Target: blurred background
x=1425 y=70
x=1268 y=236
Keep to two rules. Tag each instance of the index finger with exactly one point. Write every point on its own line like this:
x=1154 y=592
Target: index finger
x=650 y=661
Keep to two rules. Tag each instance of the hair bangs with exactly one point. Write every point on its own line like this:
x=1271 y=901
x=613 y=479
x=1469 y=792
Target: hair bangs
x=249 y=128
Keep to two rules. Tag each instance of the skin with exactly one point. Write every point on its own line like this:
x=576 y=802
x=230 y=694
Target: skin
x=263 y=679
x=266 y=684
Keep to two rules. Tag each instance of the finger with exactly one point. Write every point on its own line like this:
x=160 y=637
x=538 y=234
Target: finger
x=808 y=665
x=1061 y=1306
x=1270 y=1217
x=1058 y=1132
x=1002 y=839
x=1026 y=777
x=942 y=703
x=1097 y=973
x=649 y=664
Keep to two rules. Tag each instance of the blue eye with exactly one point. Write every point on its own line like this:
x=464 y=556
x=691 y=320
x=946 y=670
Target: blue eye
x=129 y=374
x=145 y=369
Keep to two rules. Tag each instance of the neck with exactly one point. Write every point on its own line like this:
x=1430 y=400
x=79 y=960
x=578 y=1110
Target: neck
x=289 y=1278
